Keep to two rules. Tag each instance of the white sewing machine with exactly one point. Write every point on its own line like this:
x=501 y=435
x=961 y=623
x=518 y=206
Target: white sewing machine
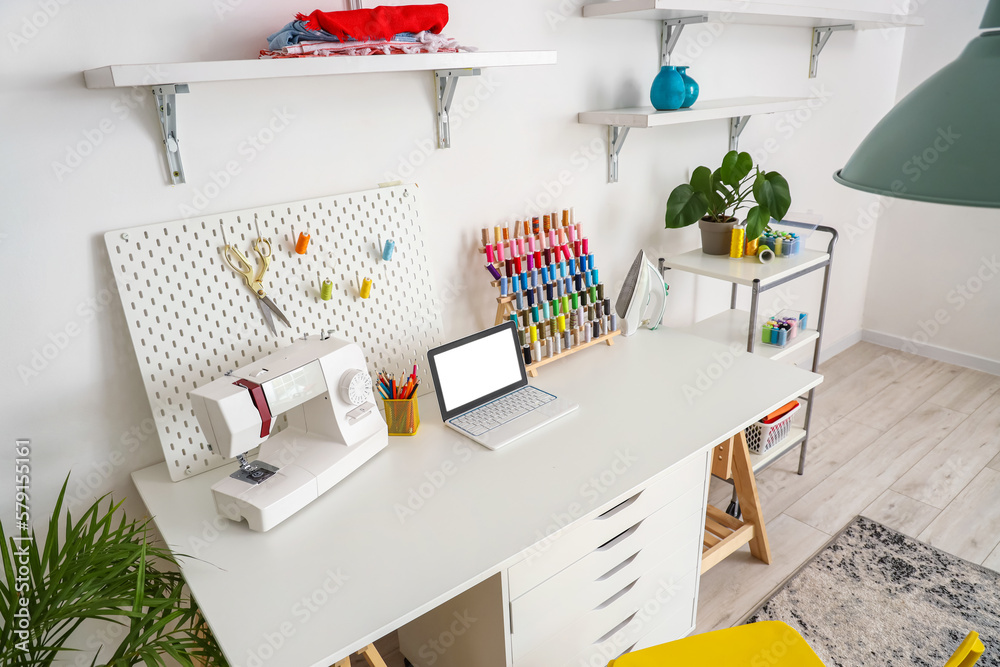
x=334 y=426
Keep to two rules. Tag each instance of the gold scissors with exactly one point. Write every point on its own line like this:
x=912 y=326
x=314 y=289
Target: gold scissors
x=241 y=265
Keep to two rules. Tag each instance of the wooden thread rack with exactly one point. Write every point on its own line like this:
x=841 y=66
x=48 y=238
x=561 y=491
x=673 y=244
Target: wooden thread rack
x=567 y=251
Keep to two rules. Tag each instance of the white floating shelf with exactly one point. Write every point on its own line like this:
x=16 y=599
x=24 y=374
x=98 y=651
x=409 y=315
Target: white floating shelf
x=744 y=271
x=761 y=461
x=738 y=110
x=760 y=13
x=167 y=80
x=118 y=76
x=730 y=326
x=701 y=111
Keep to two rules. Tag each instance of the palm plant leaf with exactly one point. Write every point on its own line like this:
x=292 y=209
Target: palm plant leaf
x=100 y=566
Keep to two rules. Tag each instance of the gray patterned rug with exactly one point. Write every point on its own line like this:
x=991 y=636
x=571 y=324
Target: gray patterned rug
x=874 y=597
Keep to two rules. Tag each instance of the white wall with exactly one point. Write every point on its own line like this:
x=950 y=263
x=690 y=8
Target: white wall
x=86 y=411
x=934 y=285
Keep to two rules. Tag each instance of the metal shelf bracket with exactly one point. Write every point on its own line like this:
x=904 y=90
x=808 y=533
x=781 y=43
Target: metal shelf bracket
x=820 y=37
x=616 y=139
x=445 y=82
x=672 y=32
x=166 y=111
x=736 y=126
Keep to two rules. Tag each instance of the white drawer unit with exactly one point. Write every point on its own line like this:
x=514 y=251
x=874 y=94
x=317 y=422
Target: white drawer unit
x=609 y=582
x=551 y=556
x=600 y=587
x=589 y=581
x=657 y=621
x=667 y=586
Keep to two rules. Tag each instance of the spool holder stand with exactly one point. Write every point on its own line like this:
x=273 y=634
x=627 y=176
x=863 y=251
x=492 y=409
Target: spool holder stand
x=505 y=309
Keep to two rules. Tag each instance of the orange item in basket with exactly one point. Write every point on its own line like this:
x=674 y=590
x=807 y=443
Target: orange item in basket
x=780 y=412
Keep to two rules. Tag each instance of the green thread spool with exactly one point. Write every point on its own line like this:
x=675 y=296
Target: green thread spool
x=326 y=290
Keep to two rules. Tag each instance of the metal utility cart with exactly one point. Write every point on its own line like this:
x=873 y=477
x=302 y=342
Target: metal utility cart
x=735 y=325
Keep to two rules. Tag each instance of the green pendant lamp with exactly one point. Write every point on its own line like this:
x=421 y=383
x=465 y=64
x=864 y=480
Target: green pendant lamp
x=940 y=143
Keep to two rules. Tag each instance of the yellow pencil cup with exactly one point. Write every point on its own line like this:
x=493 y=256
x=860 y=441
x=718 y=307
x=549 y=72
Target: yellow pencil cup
x=402 y=415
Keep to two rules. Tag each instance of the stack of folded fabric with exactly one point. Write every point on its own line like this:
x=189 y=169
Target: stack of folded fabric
x=362 y=32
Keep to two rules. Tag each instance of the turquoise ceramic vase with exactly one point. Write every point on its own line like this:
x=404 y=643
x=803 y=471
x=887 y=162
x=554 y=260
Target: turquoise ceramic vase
x=690 y=88
x=667 y=91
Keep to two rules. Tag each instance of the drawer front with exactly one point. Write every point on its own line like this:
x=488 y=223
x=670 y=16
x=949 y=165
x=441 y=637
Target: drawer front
x=676 y=626
x=673 y=533
x=667 y=587
x=549 y=557
x=673 y=620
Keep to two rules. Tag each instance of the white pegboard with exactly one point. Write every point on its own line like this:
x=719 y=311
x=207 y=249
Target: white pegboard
x=192 y=318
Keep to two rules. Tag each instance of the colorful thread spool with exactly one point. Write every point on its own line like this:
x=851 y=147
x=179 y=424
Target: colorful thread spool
x=364 y=287
x=326 y=290
x=388 y=249
x=736 y=246
x=302 y=245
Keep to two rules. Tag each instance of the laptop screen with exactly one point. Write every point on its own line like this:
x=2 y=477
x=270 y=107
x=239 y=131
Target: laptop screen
x=477 y=369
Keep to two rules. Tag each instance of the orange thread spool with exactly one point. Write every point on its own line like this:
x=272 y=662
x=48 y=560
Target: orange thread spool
x=302 y=244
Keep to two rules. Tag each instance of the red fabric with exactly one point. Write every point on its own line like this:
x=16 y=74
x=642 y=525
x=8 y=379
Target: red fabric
x=378 y=23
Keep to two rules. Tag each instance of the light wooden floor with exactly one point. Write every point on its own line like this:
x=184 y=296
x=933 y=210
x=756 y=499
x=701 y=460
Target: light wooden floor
x=907 y=441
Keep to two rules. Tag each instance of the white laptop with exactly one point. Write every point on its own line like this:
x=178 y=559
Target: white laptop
x=483 y=391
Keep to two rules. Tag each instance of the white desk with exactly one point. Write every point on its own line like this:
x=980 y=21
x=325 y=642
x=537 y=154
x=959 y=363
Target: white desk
x=368 y=572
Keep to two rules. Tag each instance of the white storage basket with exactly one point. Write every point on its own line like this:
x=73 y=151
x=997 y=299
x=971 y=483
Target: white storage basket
x=761 y=437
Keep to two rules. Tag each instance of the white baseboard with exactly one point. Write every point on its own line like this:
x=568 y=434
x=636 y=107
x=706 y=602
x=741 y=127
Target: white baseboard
x=932 y=351
x=828 y=351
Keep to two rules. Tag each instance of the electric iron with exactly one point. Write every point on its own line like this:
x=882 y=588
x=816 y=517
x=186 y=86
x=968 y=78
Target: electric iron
x=643 y=297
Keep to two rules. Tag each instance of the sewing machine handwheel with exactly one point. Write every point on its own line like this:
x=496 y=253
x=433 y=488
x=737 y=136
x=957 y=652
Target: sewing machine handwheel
x=355 y=386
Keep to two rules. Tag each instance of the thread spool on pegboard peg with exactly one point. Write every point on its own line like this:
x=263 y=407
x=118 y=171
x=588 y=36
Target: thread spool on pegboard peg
x=386 y=249
x=325 y=287
x=301 y=243
x=364 y=286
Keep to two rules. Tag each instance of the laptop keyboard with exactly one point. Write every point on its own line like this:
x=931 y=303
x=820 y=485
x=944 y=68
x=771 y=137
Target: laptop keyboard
x=504 y=409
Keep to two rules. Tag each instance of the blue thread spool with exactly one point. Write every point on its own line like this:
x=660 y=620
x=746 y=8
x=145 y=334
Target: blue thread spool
x=390 y=247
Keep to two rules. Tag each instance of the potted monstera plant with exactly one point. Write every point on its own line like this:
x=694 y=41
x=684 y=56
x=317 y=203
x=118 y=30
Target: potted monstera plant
x=713 y=198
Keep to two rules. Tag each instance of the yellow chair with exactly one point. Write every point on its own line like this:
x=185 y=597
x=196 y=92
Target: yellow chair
x=764 y=644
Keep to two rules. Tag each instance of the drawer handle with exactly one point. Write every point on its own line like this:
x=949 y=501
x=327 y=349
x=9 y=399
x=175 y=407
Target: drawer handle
x=620 y=506
x=619 y=538
x=616 y=596
x=618 y=568
x=621 y=626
